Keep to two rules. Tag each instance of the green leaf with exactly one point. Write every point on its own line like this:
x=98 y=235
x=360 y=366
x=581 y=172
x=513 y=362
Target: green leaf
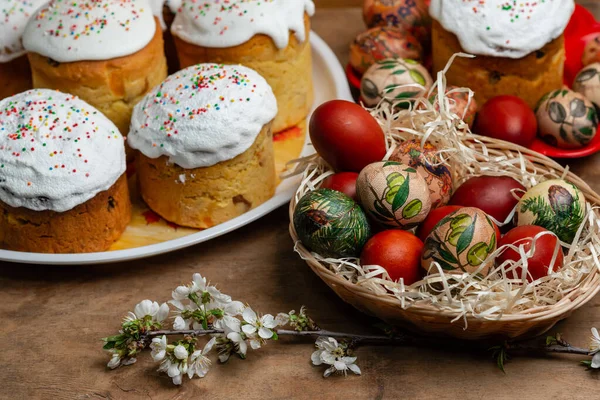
x=382 y=210
x=550 y=340
x=387 y=66
x=410 y=61
x=411 y=170
x=446 y=266
x=388 y=163
x=418 y=77
x=466 y=237
x=399 y=72
x=564 y=92
x=447 y=256
x=412 y=209
x=586 y=363
x=402 y=195
x=586 y=130
x=275 y=336
x=390 y=88
x=407 y=95
x=109 y=345
x=394 y=179
x=492 y=245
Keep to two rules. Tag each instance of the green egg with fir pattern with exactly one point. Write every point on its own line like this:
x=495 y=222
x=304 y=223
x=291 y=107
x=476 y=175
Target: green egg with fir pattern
x=331 y=224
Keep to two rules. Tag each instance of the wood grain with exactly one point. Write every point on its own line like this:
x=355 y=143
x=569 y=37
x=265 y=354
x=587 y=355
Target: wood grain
x=53 y=317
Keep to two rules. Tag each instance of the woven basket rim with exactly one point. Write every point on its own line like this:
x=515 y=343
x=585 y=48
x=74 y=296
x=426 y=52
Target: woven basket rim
x=573 y=300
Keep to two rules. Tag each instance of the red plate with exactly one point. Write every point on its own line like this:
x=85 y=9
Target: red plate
x=582 y=26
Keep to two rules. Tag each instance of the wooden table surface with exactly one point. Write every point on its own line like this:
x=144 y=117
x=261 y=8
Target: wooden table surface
x=53 y=318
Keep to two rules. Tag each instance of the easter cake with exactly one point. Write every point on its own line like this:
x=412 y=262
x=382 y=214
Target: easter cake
x=271 y=37
x=62 y=175
x=519 y=47
x=108 y=52
x=15 y=74
x=205 y=144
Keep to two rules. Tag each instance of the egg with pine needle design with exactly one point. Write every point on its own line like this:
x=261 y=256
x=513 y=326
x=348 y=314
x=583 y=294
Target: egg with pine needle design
x=437 y=175
x=556 y=205
x=566 y=119
x=587 y=82
x=461 y=242
x=393 y=194
x=381 y=43
x=394 y=80
x=331 y=224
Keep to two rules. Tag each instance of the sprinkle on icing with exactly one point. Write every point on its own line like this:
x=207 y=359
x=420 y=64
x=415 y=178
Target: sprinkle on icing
x=67 y=30
x=503 y=28
x=56 y=151
x=226 y=23
x=203 y=115
x=13 y=18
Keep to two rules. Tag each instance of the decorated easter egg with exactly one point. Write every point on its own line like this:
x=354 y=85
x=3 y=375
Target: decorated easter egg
x=395 y=80
x=461 y=242
x=409 y=15
x=425 y=160
x=591 y=52
x=459 y=104
x=587 y=82
x=331 y=224
x=394 y=194
x=566 y=119
x=380 y=43
x=556 y=205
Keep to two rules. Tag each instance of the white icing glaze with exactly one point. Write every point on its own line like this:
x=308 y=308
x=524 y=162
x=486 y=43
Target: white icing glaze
x=503 y=28
x=203 y=115
x=56 y=151
x=14 y=17
x=227 y=23
x=68 y=31
x=157 y=10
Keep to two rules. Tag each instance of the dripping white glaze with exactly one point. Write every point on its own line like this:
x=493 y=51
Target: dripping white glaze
x=13 y=18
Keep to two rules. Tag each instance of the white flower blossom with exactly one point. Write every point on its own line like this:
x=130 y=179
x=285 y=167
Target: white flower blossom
x=181 y=324
x=595 y=348
x=229 y=322
x=174 y=368
x=331 y=353
x=181 y=352
x=199 y=362
x=261 y=325
x=115 y=360
x=199 y=285
x=159 y=348
x=149 y=308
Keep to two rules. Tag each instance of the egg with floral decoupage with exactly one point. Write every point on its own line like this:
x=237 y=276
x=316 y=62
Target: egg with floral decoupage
x=409 y=15
x=461 y=242
x=587 y=82
x=566 y=119
x=393 y=194
x=380 y=43
x=331 y=224
x=424 y=159
x=458 y=101
x=591 y=51
x=394 y=79
x=556 y=205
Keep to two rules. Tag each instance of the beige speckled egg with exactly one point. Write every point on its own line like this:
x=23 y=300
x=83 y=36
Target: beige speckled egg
x=380 y=43
x=566 y=119
x=556 y=205
x=587 y=82
x=458 y=100
x=388 y=79
x=410 y=15
x=591 y=51
x=393 y=194
x=424 y=159
x=461 y=242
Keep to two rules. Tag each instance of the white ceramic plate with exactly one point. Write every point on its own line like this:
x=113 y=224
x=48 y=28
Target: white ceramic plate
x=329 y=83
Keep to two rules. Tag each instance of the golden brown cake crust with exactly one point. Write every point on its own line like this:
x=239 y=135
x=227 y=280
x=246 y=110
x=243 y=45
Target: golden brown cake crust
x=205 y=197
x=529 y=77
x=112 y=86
x=15 y=77
x=90 y=227
x=288 y=70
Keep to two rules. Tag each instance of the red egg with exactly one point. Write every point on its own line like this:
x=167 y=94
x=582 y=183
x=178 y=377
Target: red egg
x=507 y=118
x=344 y=182
x=398 y=252
x=539 y=262
x=346 y=135
x=432 y=219
x=491 y=194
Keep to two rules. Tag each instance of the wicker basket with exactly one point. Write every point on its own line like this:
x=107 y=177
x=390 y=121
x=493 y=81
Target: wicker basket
x=426 y=318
